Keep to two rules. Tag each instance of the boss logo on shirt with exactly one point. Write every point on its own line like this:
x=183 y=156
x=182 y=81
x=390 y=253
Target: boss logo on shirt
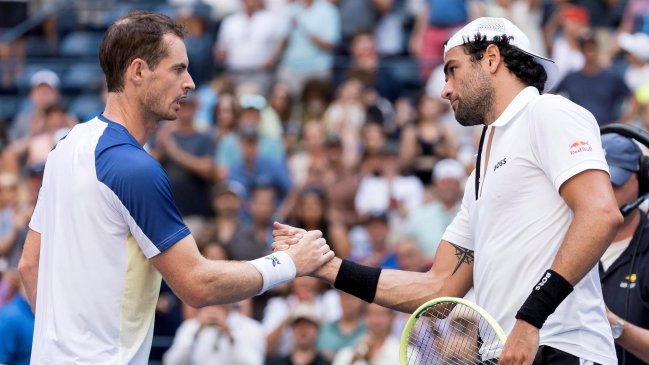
x=500 y=163
x=579 y=146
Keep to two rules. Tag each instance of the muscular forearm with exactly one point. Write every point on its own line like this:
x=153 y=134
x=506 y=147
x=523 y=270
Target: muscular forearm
x=221 y=282
x=405 y=290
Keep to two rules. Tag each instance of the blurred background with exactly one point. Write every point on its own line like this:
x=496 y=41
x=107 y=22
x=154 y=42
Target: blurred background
x=325 y=114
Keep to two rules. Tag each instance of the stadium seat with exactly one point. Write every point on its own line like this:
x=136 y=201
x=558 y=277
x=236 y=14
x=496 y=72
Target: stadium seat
x=83 y=77
x=86 y=106
x=38 y=47
x=8 y=108
x=81 y=44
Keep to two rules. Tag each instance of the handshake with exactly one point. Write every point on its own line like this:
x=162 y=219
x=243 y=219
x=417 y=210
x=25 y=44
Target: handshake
x=308 y=250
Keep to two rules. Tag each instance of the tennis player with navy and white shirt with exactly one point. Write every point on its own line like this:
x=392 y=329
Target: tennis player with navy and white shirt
x=537 y=213
x=105 y=228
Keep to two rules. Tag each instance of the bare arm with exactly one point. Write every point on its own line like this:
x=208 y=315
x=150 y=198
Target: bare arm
x=635 y=340
x=28 y=265
x=200 y=282
x=451 y=275
x=596 y=218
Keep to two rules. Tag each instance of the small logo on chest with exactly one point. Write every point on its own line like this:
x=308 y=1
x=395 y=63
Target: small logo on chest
x=500 y=163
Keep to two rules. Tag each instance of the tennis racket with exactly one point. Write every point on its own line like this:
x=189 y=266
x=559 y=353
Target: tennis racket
x=451 y=331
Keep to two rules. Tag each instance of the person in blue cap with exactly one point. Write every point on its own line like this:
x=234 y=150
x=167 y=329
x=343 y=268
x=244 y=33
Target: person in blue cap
x=624 y=267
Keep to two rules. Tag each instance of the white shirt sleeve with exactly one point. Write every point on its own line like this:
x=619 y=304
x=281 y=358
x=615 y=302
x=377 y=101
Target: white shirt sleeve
x=459 y=231
x=565 y=139
x=35 y=222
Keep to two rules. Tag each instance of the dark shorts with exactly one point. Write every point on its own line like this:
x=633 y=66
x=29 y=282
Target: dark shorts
x=550 y=356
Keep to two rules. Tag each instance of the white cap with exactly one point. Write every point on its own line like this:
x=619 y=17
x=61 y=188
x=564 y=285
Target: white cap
x=45 y=77
x=496 y=27
x=637 y=44
x=449 y=169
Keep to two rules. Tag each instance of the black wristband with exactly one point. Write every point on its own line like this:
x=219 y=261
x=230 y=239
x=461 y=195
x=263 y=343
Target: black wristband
x=546 y=296
x=358 y=280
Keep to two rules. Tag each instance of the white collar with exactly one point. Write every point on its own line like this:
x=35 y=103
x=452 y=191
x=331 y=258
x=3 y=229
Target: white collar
x=516 y=105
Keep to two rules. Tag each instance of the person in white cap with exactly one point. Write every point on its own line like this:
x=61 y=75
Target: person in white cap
x=537 y=213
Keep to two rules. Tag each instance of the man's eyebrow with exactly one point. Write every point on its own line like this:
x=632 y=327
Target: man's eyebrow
x=181 y=65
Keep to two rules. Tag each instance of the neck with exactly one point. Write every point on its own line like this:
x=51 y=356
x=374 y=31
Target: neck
x=303 y=356
x=591 y=68
x=124 y=109
x=628 y=227
x=505 y=91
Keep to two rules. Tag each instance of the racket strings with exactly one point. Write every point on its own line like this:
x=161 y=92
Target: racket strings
x=447 y=334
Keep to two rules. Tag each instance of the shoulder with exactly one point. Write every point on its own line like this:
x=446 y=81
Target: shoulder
x=550 y=107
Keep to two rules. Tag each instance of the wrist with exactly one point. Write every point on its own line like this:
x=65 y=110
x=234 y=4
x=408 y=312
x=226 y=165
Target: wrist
x=546 y=296
x=617 y=327
x=275 y=269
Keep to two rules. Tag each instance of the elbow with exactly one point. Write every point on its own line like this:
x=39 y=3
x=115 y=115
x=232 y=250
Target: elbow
x=26 y=268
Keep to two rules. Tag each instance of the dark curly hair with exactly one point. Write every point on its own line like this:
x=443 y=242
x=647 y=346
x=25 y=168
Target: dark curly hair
x=518 y=62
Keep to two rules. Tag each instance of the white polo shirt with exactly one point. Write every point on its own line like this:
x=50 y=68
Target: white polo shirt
x=519 y=220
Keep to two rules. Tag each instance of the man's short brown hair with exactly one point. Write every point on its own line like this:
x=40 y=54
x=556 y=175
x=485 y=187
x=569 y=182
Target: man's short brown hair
x=137 y=35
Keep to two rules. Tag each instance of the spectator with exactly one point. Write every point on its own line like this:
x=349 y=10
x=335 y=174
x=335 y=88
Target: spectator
x=186 y=154
x=44 y=92
x=410 y=256
x=427 y=223
x=310 y=162
x=340 y=182
x=624 y=267
x=259 y=169
x=367 y=66
x=428 y=140
x=636 y=52
x=377 y=252
x=312 y=210
x=390 y=191
x=226 y=204
x=304 y=291
x=229 y=151
x=226 y=113
x=14 y=216
x=17 y=329
x=337 y=334
x=217 y=335
x=305 y=323
x=436 y=21
x=584 y=86
x=311 y=32
x=56 y=124
x=377 y=346
x=572 y=21
x=345 y=117
x=248 y=44
x=254 y=238
x=8 y=158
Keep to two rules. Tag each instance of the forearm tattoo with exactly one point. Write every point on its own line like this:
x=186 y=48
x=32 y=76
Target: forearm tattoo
x=463 y=256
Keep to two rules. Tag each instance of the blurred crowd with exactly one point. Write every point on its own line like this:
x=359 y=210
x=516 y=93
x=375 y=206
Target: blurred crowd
x=324 y=114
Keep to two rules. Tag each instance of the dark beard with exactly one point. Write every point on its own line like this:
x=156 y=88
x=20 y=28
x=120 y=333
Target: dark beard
x=472 y=109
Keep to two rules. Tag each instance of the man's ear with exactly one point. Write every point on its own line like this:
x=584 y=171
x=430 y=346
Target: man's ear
x=136 y=71
x=492 y=57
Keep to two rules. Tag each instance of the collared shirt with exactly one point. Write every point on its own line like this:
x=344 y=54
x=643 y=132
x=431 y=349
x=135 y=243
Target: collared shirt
x=517 y=222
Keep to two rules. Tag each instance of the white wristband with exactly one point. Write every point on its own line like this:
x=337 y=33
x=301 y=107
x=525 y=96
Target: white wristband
x=275 y=269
